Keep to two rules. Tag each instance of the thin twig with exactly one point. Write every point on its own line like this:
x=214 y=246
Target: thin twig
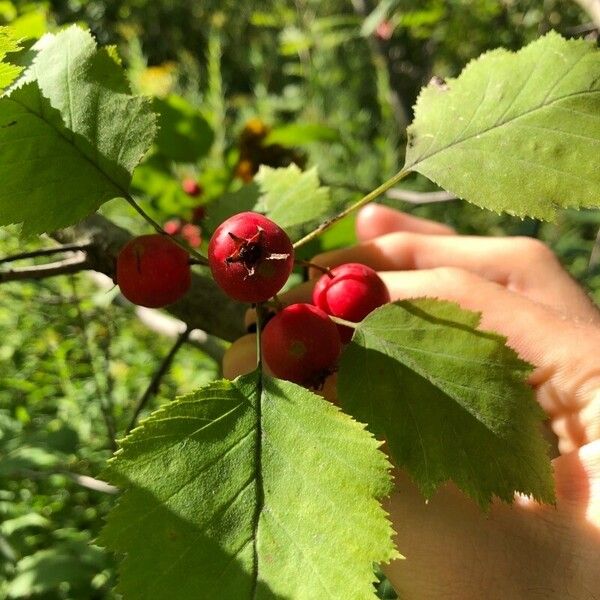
x=409 y=196
x=154 y=384
x=201 y=260
x=46 y=252
x=420 y=197
x=63 y=267
x=384 y=187
x=90 y=483
x=311 y=265
x=97 y=485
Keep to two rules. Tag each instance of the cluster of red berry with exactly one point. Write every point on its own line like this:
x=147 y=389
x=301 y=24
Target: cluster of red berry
x=188 y=230
x=251 y=258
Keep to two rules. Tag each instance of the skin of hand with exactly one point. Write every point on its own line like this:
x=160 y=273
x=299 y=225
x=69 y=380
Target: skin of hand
x=524 y=551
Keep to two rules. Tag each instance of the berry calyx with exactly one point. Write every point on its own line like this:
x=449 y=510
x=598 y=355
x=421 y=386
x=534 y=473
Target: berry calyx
x=350 y=292
x=301 y=344
x=191 y=187
x=250 y=257
x=153 y=271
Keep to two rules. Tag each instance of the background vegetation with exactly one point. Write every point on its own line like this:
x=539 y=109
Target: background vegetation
x=329 y=83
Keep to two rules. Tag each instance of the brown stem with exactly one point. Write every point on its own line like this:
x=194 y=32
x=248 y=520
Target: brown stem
x=45 y=252
x=63 y=267
x=311 y=265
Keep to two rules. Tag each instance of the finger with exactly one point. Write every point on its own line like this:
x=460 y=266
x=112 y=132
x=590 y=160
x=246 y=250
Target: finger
x=375 y=220
x=566 y=377
x=523 y=265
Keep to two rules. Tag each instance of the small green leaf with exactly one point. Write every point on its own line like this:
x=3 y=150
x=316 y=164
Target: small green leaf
x=72 y=133
x=451 y=401
x=184 y=135
x=249 y=490
x=293 y=198
x=8 y=44
x=515 y=132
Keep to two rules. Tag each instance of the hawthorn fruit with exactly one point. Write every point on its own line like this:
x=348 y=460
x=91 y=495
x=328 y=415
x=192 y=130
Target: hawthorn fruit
x=301 y=344
x=350 y=292
x=250 y=257
x=153 y=271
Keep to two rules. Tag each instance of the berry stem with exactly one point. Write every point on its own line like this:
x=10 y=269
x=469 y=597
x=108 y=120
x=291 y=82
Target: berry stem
x=202 y=260
x=384 y=187
x=260 y=319
x=307 y=263
x=343 y=322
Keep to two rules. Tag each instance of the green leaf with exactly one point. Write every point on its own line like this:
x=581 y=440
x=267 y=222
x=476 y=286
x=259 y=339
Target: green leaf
x=32 y=519
x=249 y=490
x=184 y=135
x=299 y=134
x=293 y=198
x=228 y=205
x=46 y=571
x=515 y=132
x=72 y=133
x=451 y=401
x=8 y=44
x=32 y=24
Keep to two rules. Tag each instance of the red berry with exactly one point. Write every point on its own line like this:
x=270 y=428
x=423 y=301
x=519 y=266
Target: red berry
x=351 y=293
x=153 y=271
x=191 y=187
x=192 y=235
x=172 y=226
x=198 y=214
x=301 y=344
x=250 y=257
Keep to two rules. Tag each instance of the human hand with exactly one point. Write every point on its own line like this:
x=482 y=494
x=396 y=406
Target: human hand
x=526 y=550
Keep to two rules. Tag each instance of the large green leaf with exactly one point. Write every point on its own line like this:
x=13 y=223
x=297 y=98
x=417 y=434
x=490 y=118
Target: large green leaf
x=515 y=132
x=252 y=489
x=293 y=199
x=8 y=44
x=451 y=401
x=71 y=133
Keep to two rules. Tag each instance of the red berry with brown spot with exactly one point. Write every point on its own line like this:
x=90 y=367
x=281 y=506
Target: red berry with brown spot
x=350 y=292
x=301 y=344
x=250 y=257
x=153 y=271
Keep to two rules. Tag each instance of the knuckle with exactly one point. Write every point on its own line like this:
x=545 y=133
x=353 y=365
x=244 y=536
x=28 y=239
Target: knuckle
x=447 y=276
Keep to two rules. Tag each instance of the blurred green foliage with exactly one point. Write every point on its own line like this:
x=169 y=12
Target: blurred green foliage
x=331 y=83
